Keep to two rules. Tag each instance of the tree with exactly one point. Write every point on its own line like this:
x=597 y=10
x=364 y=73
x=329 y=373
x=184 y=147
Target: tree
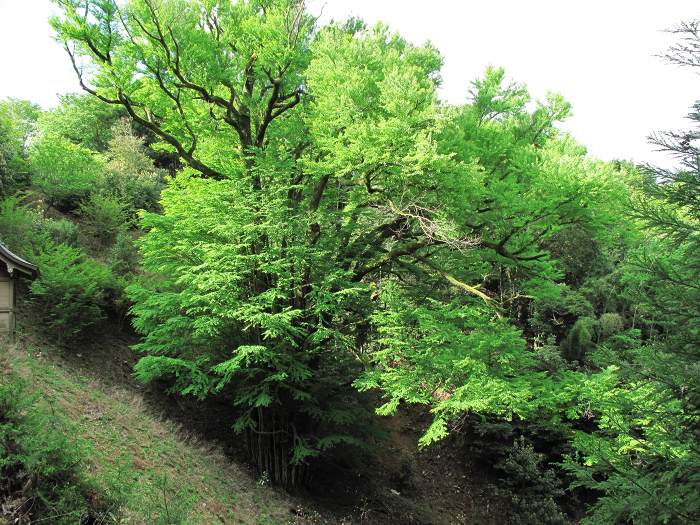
x=72 y=291
x=644 y=454
x=328 y=194
x=205 y=82
x=286 y=213
x=83 y=120
x=129 y=173
x=516 y=184
x=17 y=123
x=64 y=172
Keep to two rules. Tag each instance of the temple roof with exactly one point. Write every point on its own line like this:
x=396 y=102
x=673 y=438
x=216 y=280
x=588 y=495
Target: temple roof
x=15 y=262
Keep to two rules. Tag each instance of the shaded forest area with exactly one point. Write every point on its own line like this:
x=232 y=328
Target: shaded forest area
x=326 y=269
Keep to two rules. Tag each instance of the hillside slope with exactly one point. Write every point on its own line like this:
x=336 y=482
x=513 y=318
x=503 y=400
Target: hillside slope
x=136 y=450
x=171 y=454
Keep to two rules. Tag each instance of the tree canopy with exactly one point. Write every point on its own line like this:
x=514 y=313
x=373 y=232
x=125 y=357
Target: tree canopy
x=334 y=241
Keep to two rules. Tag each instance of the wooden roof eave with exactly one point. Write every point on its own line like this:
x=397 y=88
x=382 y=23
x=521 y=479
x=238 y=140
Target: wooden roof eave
x=16 y=263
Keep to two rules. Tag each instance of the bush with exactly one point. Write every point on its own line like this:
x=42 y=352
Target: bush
x=610 y=324
x=27 y=233
x=530 y=488
x=552 y=315
x=549 y=357
x=61 y=231
x=64 y=172
x=41 y=465
x=579 y=341
x=124 y=257
x=129 y=173
x=72 y=290
x=105 y=218
x=20 y=228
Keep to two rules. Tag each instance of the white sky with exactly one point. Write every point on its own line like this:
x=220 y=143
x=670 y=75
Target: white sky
x=599 y=54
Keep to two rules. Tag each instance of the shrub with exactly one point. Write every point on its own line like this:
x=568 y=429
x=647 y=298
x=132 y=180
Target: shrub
x=129 y=173
x=549 y=357
x=72 y=290
x=105 y=217
x=64 y=172
x=579 y=341
x=27 y=233
x=530 y=487
x=124 y=257
x=610 y=324
x=20 y=228
x=123 y=260
x=552 y=315
x=61 y=231
x=41 y=464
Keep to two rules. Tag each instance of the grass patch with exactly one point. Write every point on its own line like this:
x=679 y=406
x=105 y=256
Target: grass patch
x=42 y=464
x=154 y=472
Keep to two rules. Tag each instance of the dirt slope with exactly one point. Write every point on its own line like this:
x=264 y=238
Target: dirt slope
x=175 y=451
x=164 y=463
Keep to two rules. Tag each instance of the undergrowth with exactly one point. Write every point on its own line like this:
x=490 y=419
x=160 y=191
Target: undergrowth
x=111 y=458
x=42 y=464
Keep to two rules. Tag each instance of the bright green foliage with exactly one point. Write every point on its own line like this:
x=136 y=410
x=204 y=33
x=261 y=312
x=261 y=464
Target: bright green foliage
x=642 y=456
x=72 y=290
x=233 y=58
x=104 y=217
x=521 y=183
x=258 y=275
x=64 y=172
x=26 y=232
x=453 y=356
x=83 y=120
x=20 y=228
x=129 y=174
x=336 y=227
x=518 y=185
x=17 y=123
x=644 y=453
x=334 y=218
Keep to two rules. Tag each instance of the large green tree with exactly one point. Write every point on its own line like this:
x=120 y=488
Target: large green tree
x=305 y=151
x=332 y=218
x=454 y=336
